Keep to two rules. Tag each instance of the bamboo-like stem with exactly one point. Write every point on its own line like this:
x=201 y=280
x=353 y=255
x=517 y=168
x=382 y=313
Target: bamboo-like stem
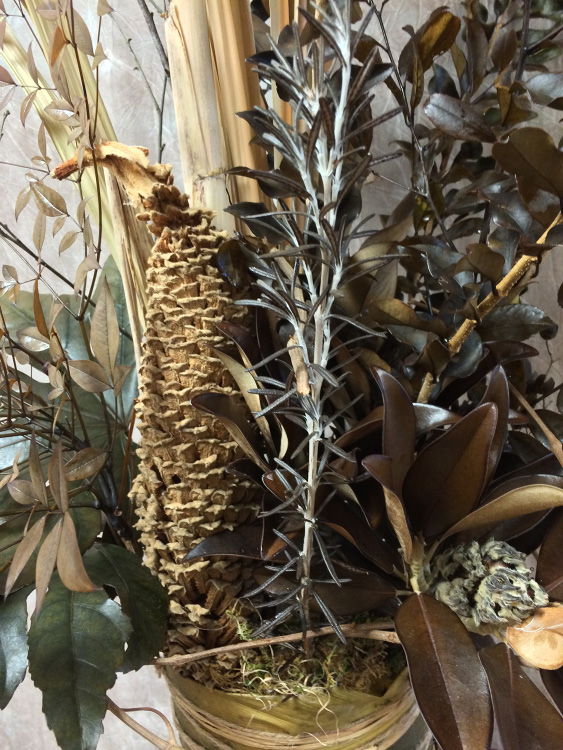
x=351 y=631
x=503 y=288
x=202 y=149
x=232 y=42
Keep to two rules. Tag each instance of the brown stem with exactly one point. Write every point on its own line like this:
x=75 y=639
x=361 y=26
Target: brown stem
x=426 y=389
x=352 y=631
x=502 y=290
x=123 y=715
x=148 y=16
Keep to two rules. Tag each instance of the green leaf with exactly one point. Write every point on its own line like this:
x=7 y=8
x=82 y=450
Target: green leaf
x=526 y=719
x=76 y=645
x=448 y=679
x=142 y=598
x=13 y=644
x=457 y=119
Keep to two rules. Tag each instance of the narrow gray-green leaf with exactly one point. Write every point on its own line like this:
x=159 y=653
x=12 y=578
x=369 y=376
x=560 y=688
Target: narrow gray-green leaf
x=142 y=598
x=76 y=645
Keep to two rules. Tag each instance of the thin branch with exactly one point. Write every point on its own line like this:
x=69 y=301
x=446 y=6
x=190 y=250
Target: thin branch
x=524 y=40
x=550 y=35
x=148 y=16
x=123 y=715
x=351 y=631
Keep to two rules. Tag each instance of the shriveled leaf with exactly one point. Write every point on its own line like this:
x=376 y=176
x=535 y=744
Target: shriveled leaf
x=448 y=477
x=57 y=479
x=526 y=719
x=233 y=417
x=538 y=641
x=48 y=200
x=143 y=599
x=74 y=673
x=448 y=679
x=69 y=559
x=87 y=463
x=459 y=120
x=104 y=333
x=89 y=375
x=23 y=552
x=550 y=561
x=13 y=644
x=517 y=502
x=45 y=563
x=531 y=155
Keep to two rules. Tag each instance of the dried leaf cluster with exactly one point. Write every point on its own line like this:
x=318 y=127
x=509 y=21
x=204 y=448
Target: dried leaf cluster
x=404 y=453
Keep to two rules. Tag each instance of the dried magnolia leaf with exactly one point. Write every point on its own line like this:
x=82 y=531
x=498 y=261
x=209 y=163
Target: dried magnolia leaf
x=45 y=563
x=104 y=330
x=69 y=559
x=89 y=375
x=539 y=639
x=87 y=463
x=23 y=552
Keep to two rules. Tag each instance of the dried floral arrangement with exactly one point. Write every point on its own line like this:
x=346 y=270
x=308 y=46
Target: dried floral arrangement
x=281 y=444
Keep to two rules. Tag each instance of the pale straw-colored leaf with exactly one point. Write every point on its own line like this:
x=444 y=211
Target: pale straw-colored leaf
x=69 y=559
x=57 y=477
x=24 y=551
x=89 y=375
x=36 y=472
x=45 y=563
x=104 y=330
x=87 y=463
x=22 y=491
x=39 y=227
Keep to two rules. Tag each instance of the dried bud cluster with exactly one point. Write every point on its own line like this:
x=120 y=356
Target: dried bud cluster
x=182 y=492
x=489 y=583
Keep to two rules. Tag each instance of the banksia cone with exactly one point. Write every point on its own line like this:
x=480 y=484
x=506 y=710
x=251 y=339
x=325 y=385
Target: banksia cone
x=182 y=491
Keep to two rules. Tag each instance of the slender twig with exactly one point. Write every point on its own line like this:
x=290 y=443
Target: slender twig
x=149 y=19
x=161 y=145
x=550 y=35
x=123 y=715
x=502 y=290
x=351 y=631
x=524 y=40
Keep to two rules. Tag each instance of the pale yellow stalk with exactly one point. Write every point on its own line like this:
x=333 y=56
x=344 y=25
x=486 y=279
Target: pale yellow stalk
x=202 y=149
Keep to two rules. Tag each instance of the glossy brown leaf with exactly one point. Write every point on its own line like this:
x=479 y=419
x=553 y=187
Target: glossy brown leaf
x=45 y=563
x=69 y=559
x=36 y=472
x=526 y=719
x=398 y=427
x=550 y=561
x=430 y=417
x=538 y=641
x=531 y=155
x=517 y=502
x=362 y=592
x=447 y=677
x=457 y=119
x=23 y=552
x=497 y=393
x=234 y=418
x=448 y=477
x=553 y=683
x=477 y=52
x=104 y=331
x=380 y=467
x=243 y=542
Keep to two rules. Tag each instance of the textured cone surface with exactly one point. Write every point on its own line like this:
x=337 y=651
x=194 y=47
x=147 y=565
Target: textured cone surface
x=182 y=492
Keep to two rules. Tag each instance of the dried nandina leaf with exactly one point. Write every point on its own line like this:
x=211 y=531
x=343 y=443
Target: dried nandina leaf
x=398 y=427
x=13 y=644
x=45 y=563
x=104 y=332
x=48 y=200
x=550 y=561
x=448 y=477
x=58 y=43
x=517 y=502
x=38 y=311
x=539 y=639
x=448 y=679
x=526 y=719
x=233 y=417
x=69 y=559
x=39 y=228
x=75 y=702
x=22 y=492
x=81 y=35
x=57 y=479
x=35 y=471
x=457 y=119
x=380 y=467
x=531 y=155
x=24 y=551
x=89 y=375
x=5 y=78
x=86 y=463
